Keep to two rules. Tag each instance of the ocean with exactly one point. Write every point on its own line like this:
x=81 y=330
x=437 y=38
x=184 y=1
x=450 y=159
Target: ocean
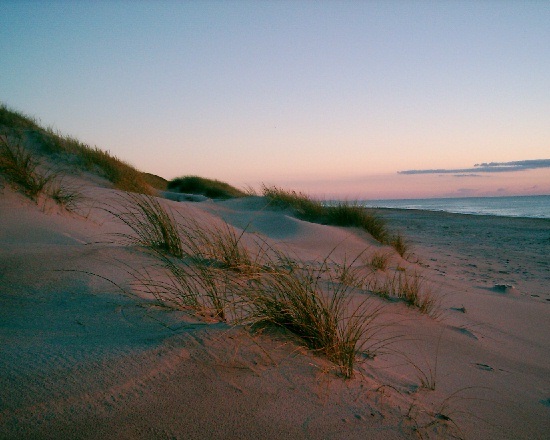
x=519 y=206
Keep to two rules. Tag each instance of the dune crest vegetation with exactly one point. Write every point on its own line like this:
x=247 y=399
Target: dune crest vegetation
x=21 y=168
x=342 y=213
x=211 y=188
x=72 y=152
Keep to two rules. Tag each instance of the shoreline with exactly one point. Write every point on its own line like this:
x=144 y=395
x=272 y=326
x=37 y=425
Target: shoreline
x=471 y=214
x=537 y=206
x=511 y=250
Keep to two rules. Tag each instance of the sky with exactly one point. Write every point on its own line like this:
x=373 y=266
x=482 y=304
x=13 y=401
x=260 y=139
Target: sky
x=338 y=99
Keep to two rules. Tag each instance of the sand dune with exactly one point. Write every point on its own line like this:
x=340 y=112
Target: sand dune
x=81 y=359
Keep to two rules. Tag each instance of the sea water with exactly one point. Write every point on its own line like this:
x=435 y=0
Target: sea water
x=519 y=206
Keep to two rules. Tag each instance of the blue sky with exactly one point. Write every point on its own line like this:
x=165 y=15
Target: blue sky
x=331 y=98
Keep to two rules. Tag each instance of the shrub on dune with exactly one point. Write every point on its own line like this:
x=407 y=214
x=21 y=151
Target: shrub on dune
x=211 y=188
x=305 y=207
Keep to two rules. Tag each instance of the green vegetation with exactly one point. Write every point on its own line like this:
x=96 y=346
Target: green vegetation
x=320 y=311
x=153 y=227
x=400 y=245
x=21 y=169
x=304 y=207
x=379 y=261
x=219 y=246
x=122 y=175
x=15 y=120
x=211 y=277
x=410 y=288
x=340 y=214
x=155 y=181
x=216 y=275
x=347 y=214
x=72 y=151
x=68 y=196
x=350 y=214
x=213 y=189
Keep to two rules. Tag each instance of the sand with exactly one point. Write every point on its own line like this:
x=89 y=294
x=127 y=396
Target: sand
x=81 y=359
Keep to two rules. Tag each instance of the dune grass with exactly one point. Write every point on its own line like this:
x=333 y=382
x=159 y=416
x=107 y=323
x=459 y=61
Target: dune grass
x=219 y=246
x=339 y=214
x=399 y=243
x=203 y=279
x=320 y=311
x=379 y=261
x=352 y=214
x=68 y=196
x=194 y=266
x=305 y=207
x=183 y=283
x=155 y=181
x=93 y=159
x=214 y=273
x=211 y=188
x=347 y=214
x=72 y=152
x=153 y=227
x=21 y=168
x=15 y=120
x=23 y=171
x=411 y=288
x=445 y=416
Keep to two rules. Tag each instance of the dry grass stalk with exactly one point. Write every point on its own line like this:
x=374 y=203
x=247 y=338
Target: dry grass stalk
x=21 y=168
x=321 y=312
x=401 y=246
x=379 y=261
x=411 y=288
x=153 y=227
x=339 y=214
x=212 y=272
x=69 y=197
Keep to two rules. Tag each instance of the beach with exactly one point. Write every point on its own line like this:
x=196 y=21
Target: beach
x=484 y=250
x=82 y=358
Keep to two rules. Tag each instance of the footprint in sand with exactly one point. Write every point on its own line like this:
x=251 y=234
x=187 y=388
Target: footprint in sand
x=465 y=332
x=484 y=367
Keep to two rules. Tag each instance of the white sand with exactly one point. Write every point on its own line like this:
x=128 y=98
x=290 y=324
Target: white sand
x=81 y=360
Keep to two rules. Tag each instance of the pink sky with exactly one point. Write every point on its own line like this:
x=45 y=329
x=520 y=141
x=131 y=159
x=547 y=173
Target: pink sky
x=396 y=186
x=331 y=98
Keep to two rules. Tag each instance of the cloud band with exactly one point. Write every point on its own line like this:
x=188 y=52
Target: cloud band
x=489 y=167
